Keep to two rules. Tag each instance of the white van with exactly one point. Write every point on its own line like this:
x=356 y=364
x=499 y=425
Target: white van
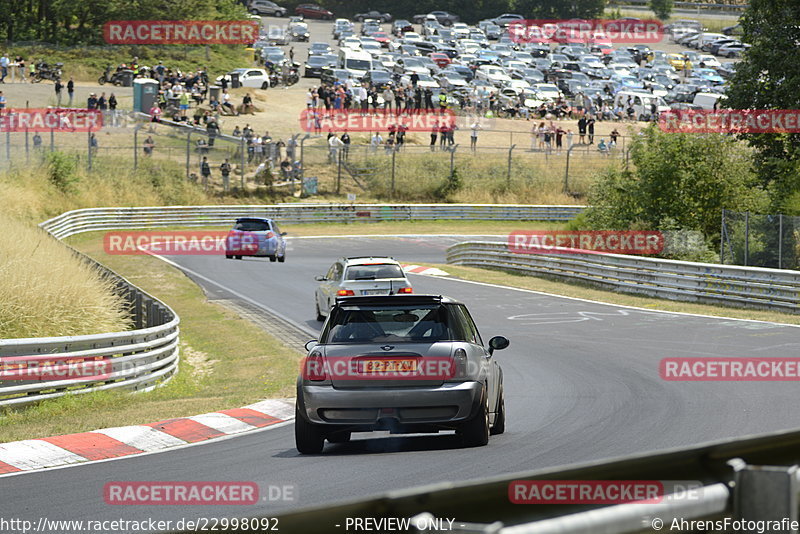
x=642 y=102
x=357 y=62
x=707 y=101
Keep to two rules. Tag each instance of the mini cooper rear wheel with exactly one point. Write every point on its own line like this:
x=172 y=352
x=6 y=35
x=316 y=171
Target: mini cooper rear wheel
x=475 y=431
x=308 y=437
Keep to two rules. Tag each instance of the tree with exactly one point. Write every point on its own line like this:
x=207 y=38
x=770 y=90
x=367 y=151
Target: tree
x=662 y=8
x=680 y=181
x=768 y=78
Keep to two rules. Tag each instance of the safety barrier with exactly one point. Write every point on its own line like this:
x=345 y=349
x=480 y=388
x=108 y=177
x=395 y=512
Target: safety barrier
x=738 y=483
x=751 y=287
x=85 y=220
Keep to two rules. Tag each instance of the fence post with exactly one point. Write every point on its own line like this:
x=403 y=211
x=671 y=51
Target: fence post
x=188 y=152
x=394 y=153
x=780 y=241
x=722 y=239
x=135 y=148
x=52 y=140
x=508 y=174
x=8 y=145
x=242 y=150
x=89 y=157
x=566 y=171
x=339 y=173
x=27 y=154
x=746 y=237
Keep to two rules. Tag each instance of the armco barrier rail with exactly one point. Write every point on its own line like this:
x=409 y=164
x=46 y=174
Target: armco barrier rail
x=750 y=479
x=85 y=220
x=143 y=358
x=678 y=280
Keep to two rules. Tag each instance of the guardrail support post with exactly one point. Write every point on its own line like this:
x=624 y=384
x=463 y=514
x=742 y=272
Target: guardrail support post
x=746 y=238
x=780 y=241
x=135 y=148
x=188 y=152
x=391 y=194
x=767 y=493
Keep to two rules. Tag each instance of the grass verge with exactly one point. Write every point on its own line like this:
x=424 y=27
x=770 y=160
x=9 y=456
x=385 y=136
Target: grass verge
x=586 y=291
x=226 y=362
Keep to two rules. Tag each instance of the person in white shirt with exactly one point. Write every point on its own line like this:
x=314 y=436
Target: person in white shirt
x=334 y=144
x=473 y=136
x=376 y=141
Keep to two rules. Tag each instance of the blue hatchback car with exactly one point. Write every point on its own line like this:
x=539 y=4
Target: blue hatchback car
x=255 y=236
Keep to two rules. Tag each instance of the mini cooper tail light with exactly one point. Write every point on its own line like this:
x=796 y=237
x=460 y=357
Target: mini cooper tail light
x=405 y=290
x=314 y=368
x=460 y=362
x=269 y=235
x=345 y=293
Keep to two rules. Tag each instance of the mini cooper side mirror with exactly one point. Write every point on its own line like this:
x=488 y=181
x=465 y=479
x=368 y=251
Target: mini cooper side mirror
x=311 y=344
x=498 y=343
x=320 y=278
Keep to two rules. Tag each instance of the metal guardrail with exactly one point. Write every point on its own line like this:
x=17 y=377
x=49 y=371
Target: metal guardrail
x=135 y=360
x=698 y=6
x=91 y=219
x=751 y=287
x=750 y=479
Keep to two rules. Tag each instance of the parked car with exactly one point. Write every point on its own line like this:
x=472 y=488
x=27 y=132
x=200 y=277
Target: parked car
x=299 y=31
x=404 y=363
x=401 y=26
x=359 y=276
x=257 y=237
x=376 y=15
x=507 y=18
x=255 y=78
x=314 y=66
x=265 y=7
x=442 y=17
x=313 y=11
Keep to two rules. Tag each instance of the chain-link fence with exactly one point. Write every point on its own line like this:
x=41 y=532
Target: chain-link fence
x=418 y=172
x=760 y=240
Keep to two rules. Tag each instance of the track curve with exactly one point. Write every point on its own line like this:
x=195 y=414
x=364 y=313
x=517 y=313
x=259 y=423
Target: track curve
x=581 y=383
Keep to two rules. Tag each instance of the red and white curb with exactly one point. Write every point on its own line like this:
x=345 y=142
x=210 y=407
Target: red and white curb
x=421 y=269
x=31 y=454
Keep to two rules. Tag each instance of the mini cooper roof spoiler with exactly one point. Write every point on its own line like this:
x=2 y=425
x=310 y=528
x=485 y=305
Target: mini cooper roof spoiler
x=404 y=300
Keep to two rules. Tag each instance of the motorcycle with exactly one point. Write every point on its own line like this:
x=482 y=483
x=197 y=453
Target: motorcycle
x=115 y=78
x=276 y=76
x=46 y=72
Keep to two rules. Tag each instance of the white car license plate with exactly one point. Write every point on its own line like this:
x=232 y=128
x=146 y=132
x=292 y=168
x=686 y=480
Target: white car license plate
x=373 y=291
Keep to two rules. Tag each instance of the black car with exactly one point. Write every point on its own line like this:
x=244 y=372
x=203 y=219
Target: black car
x=443 y=17
x=375 y=15
x=331 y=76
x=381 y=79
x=399 y=27
x=314 y=66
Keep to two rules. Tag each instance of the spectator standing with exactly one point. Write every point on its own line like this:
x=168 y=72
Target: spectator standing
x=91 y=102
x=376 y=141
x=569 y=139
x=614 y=136
x=4 y=65
x=345 y=145
x=102 y=103
x=149 y=145
x=58 y=88
x=20 y=61
x=225 y=170
x=205 y=171
x=334 y=143
x=112 y=107
x=93 y=144
x=434 y=135
x=582 y=130
x=183 y=101
x=559 y=139
x=2 y=101
x=473 y=136
x=37 y=141
x=388 y=99
x=70 y=91
x=590 y=129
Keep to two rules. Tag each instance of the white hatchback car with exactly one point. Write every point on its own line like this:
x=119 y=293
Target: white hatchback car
x=359 y=276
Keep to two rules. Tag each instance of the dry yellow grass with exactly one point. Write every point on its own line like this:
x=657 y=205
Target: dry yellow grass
x=45 y=290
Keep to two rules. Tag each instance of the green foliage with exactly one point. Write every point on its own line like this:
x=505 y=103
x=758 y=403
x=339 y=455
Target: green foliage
x=450 y=186
x=62 y=171
x=662 y=8
x=767 y=78
x=70 y=22
x=680 y=181
x=547 y=9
